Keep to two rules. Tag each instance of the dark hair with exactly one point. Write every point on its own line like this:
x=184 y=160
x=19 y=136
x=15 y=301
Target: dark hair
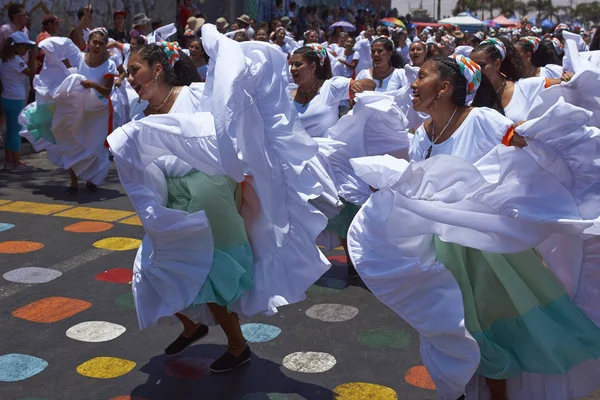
x=388 y=44
x=139 y=40
x=105 y=37
x=322 y=72
x=9 y=50
x=155 y=24
x=431 y=47
x=512 y=65
x=595 y=42
x=14 y=9
x=486 y=95
x=545 y=55
x=184 y=73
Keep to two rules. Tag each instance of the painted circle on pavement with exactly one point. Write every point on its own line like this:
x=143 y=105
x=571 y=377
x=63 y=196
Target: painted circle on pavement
x=385 y=339
x=363 y=390
x=19 y=247
x=338 y=259
x=419 y=377
x=17 y=367
x=125 y=301
x=309 y=362
x=4 y=226
x=51 y=309
x=260 y=333
x=31 y=275
x=332 y=312
x=188 y=368
x=88 y=227
x=95 y=331
x=115 y=275
x=118 y=244
x=105 y=367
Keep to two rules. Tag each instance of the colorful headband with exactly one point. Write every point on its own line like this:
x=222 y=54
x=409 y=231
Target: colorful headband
x=558 y=47
x=498 y=44
x=100 y=29
x=561 y=27
x=479 y=35
x=320 y=50
x=533 y=40
x=305 y=35
x=189 y=32
x=172 y=51
x=470 y=70
x=449 y=42
x=388 y=38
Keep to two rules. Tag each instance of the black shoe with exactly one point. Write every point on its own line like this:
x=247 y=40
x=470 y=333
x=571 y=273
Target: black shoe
x=72 y=190
x=91 y=187
x=352 y=271
x=181 y=343
x=228 y=361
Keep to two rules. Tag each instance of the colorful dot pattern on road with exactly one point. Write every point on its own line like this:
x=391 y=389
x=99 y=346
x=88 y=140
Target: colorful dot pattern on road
x=309 y=362
x=260 y=333
x=419 y=377
x=188 y=368
x=51 y=309
x=95 y=331
x=17 y=367
x=105 y=367
x=89 y=227
x=5 y=227
x=115 y=275
x=385 y=339
x=118 y=244
x=125 y=301
x=32 y=275
x=362 y=391
x=338 y=259
x=19 y=247
x=332 y=312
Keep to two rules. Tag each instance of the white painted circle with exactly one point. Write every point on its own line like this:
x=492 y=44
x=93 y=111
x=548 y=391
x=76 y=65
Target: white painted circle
x=95 y=331
x=309 y=361
x=32 y=275
x=332 y=312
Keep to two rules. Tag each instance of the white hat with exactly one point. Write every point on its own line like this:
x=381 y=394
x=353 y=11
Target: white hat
x=21 y=38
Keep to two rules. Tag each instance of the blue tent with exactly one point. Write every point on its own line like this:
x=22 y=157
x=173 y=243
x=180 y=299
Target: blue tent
x=547 y=23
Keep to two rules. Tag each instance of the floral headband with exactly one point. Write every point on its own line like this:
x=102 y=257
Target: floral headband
x=534 y=41
x=100 y=29
x=388 y=38
x=320 y=50
x=498 y=44
x=558 y=47
x=172 y=51
x=189 y=32
x=470 y=70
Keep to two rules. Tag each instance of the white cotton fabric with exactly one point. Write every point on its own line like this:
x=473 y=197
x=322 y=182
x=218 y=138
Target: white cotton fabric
x=342 y=69
x=363 y=47
x=551 y=71
x=525 y=92
x=396 y=80
x=243 y=125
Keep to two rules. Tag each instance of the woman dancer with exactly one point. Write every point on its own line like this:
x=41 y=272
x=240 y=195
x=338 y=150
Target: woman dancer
x=179 y=164
x=386 y=64
x=539 y=58
x=198 y=57
x=476 y=273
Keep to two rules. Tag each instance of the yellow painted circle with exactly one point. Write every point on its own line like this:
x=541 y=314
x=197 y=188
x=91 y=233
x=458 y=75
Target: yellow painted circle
x=118 y=243
x=362 y=390
x=105 y=367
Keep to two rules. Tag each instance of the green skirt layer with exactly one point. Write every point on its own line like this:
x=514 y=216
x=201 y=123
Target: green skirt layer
x=232 y=270
x=40 y=121
x=519 y=313
x=341 y=222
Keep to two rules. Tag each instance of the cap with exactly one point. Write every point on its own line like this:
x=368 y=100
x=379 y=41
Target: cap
x=49 y=19
x=120 y=12
x=21 y=38
x=222 y=21
x=286 y=21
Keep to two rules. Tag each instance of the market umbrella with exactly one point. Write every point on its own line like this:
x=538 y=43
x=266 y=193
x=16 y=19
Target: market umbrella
x=346 y=26
x=393 y=22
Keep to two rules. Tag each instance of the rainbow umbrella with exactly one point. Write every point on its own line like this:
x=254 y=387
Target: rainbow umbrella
x=392 y=22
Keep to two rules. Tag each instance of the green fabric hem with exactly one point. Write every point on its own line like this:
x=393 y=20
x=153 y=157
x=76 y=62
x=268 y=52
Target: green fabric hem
x=340 y=224
x=40 y=121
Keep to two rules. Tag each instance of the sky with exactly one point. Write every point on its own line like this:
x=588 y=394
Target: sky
x=448 y=5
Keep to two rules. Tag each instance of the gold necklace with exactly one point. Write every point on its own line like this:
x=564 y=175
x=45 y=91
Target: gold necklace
x=157 y=109
x=436 y=138
x=382 y=77
x=305 y=93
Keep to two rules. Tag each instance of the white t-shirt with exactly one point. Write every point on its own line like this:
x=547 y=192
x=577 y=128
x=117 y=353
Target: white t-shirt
x=363 y=47
x=394 y=81
x=525 y=92
x=15 y=84
x=480 y=132
x=321 y=113
x=96 y=74
x=342 y=69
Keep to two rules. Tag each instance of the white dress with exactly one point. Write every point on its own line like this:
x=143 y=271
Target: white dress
x=476 y=193
x=525 y=92
x=396 y=80
x=229 y=126
x=363 y=47
x=551 y=71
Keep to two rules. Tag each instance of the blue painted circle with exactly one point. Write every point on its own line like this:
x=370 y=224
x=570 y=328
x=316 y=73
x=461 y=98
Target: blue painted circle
x=259 y=333
x=5 y=226
x=16 y=367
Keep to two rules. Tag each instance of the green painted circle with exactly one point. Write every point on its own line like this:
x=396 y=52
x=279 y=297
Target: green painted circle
x=385 y=339
x=125 y=301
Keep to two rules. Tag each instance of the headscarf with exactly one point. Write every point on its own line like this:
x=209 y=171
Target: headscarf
x=479 y=35
x=533 y=40
x=100 y=29
x=561 y=27
x=470 y=70
x=172 y=51
x=498 y=44
x=448 y=41
x=320 y=50
x=189 y=32
x=558 y=46
x=388 y=38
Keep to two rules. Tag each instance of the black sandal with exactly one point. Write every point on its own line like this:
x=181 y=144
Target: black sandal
x=181 y=343
x=228 y=362
x=72 y=190
x=91 y=187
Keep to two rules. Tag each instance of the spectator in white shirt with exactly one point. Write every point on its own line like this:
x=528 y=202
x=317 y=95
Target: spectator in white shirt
x=18 y=20
x=347 y=60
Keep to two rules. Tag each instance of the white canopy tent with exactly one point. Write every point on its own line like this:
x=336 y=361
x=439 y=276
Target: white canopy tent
x=466 y=22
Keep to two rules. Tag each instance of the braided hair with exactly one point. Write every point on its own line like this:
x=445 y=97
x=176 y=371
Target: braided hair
x=184 y=73
x=512 y=65
x=309 y=55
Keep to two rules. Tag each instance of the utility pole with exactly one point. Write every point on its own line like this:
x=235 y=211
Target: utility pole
x=439 y=9
x=433 y=11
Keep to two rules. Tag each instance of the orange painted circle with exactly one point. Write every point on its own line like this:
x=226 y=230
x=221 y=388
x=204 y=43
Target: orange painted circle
x=89 y=227
x=419 y=377
x=19 y=246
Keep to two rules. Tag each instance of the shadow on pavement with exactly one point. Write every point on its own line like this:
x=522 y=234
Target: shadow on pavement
x=187 y=376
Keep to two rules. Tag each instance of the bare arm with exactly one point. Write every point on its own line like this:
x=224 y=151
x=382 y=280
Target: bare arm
x=104 y=90
x=363 y=85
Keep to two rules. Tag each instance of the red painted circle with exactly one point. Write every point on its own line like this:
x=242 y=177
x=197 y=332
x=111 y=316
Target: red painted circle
x=116 y=275
x=339 y=259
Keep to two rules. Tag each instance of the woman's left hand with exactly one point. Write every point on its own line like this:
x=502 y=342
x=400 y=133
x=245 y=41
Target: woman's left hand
x=88 y=84
x=567 y=76
x=518 y=140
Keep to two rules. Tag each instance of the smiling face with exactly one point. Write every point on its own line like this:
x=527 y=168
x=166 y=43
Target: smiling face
x=141 y=75
x=196 y=51
x=312 y=37
x=379 y=54
x=301 y=70
x=427 y=87
x=369 y=32
x=279 y=36
x=261 y=35
x=417 y=54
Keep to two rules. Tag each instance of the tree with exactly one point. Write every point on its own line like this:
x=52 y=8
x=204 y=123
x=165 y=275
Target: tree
x=540 y=6
x=507 y=7
x=522 y=8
